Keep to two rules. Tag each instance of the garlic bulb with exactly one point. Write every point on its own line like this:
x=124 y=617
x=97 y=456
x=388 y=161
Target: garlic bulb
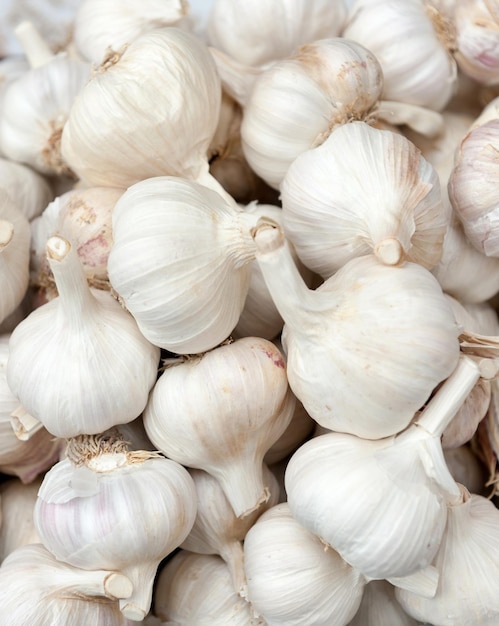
x=369 y=332
x=31 y=127
x=180 y=262
x=105 y=507
x=477 y=39
x=385 y=505
x=416 y=59
x=363 y=191
x=472 y=190
x=29 y=191
x=79 y=364
x=84 y=217
x=379 y=606
x=14 y=255
x=52 y=591
x=17 y=502
x=260 y=32
x=467 y=564
x=196 y=590
x=99 y=25
x=241 y=404
x=125 y=112
x=296 y=102
x=217 y=530
x=293 y=578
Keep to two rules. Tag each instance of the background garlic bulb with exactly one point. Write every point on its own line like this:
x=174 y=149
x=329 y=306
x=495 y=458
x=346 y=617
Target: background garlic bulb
x=107 y=508
x=242 y=404
x=293 y=578
x=111 y=153
x=100 y=25
x=260 y=32
x=379 y=606
x=363 y=191
x=96 y=388
x=29 y=191
x=17 y=502
x=180 y=262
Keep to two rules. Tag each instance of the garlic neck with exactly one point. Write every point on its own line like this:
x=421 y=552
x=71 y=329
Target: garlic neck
x=35 y=48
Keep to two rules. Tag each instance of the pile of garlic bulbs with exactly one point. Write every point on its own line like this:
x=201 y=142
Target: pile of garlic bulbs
x=249 y=348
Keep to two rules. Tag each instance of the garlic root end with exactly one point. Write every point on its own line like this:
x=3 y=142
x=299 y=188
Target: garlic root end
x=58 y=248
x=118 y=586
x=390 y=251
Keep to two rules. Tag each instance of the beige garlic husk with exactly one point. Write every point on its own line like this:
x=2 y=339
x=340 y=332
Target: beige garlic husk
x=379 y=606
x=112 y=124
x=467 y=565
x=383 y=504
x=197 y=590
x=217 y=530
x=29 y=190
x=103 y=24
x=31 y=126
x=52 y=590
x=363 y=191
x=22 y=454
x=14 y=255
x=466 y=468
x=180 y=262
x=472 y=189
x=84 y=217
x=242 y=404
x=259 y=32
x=293 y=578
x=79 y=363
x=360 y=338
x=477 y=39
x=17 y=527
x=105 y=507
x=417 y=62
x=259 y=316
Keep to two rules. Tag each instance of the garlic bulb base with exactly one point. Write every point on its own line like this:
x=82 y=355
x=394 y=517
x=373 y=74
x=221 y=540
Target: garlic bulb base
x=6 y=233
x=389 y=251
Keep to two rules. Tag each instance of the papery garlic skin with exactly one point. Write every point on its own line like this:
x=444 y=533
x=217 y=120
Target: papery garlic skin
x=53 y=591
x=196 y=590
x=27 y=189
x=467 y=563
x=466 y=468
x=242 y=405
x=99 y=25
x=122 y=511
x=180 y=262
x=417 y=65
x=102 y=367
x=296 y=102
x=31 y=127
x=363 y=191
x=477 y=40
x=379 y=606
x=140 y=92
x=293 y=578
x=259 y=32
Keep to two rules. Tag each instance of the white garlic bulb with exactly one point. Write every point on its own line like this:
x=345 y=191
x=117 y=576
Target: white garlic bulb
x=112 y=124
x=105 y=507
x=467 y=564
x=28 y=190
x=362 y=336
x=14 y=255
x=217 y=530
x=31 y=126
x=17 y=502
x=472 y=190
x=379 y=606
x=293 y=578
x=418 y=66
x=381 y=504
x=260 y=32
x=52 y=590
x=196 y=590
x=477 y=39
x=295 y=103
x=180 y=262
x=103 y=24
x=363 y=191
x=242 y=404
x=79 y=364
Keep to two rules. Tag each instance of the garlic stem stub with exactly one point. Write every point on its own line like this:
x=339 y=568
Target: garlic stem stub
x=370 y=332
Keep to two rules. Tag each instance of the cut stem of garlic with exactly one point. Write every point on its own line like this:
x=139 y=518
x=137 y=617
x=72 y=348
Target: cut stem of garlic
x=35 y=47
